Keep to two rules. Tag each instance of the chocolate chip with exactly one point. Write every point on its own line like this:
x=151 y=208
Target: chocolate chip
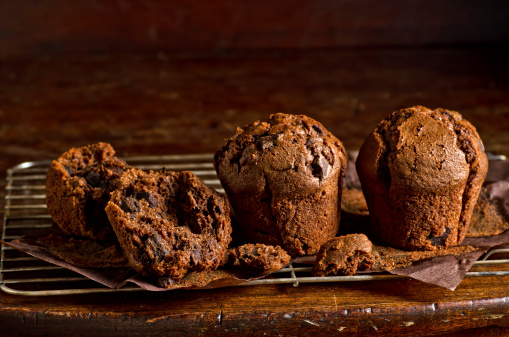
x=312 y=141
x=130 y=205
x=195 y=254
x=320 y=167
x=69 y=170
x=266 y=142
x=156 y=244
x=440 y=240
x=152 y=201
x=93 y=179
x=451 y=117
x=318 y=129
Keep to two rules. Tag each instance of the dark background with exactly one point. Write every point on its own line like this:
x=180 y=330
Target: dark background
x=30 y=27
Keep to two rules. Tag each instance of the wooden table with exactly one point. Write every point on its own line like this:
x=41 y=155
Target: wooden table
x=156 y=103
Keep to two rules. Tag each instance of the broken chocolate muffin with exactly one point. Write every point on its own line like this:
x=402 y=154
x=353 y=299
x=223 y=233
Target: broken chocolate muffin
x=78 y=187
x=169 y=223
x=283 y=179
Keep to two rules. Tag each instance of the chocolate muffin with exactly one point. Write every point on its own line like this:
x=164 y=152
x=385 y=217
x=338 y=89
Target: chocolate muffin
x=283 y=180
x=421 y=172
x=78 y=187
x=169 y=223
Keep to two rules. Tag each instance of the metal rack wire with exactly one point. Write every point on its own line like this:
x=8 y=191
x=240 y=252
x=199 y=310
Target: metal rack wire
x=25 y=212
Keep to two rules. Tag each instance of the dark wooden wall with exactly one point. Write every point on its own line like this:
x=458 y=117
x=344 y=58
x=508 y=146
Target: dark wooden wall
x=29 y=27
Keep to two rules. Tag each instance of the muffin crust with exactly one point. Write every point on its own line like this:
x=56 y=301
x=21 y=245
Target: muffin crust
x=421 y=172
x=283 y=179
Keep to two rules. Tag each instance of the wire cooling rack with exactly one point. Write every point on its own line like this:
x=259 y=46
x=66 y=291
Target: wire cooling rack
x=25 y=213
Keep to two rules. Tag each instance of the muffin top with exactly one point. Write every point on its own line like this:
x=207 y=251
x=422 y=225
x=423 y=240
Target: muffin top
x=91 y=155
x=290 y=153
x=78 y=187
x=426 y=149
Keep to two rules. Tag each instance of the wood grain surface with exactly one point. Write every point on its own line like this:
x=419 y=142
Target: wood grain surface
x=153 y=103
x=156 y=103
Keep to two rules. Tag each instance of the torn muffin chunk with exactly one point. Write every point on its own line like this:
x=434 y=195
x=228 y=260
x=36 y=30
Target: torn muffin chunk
x=169 y=223
x=344 y=255
x=259 y=258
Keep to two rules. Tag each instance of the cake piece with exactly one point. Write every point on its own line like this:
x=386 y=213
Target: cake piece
x=421 y=172
x=283 y=179
x=169 y=223
x=259 y=258
x=344 y=255
x=78 y=187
